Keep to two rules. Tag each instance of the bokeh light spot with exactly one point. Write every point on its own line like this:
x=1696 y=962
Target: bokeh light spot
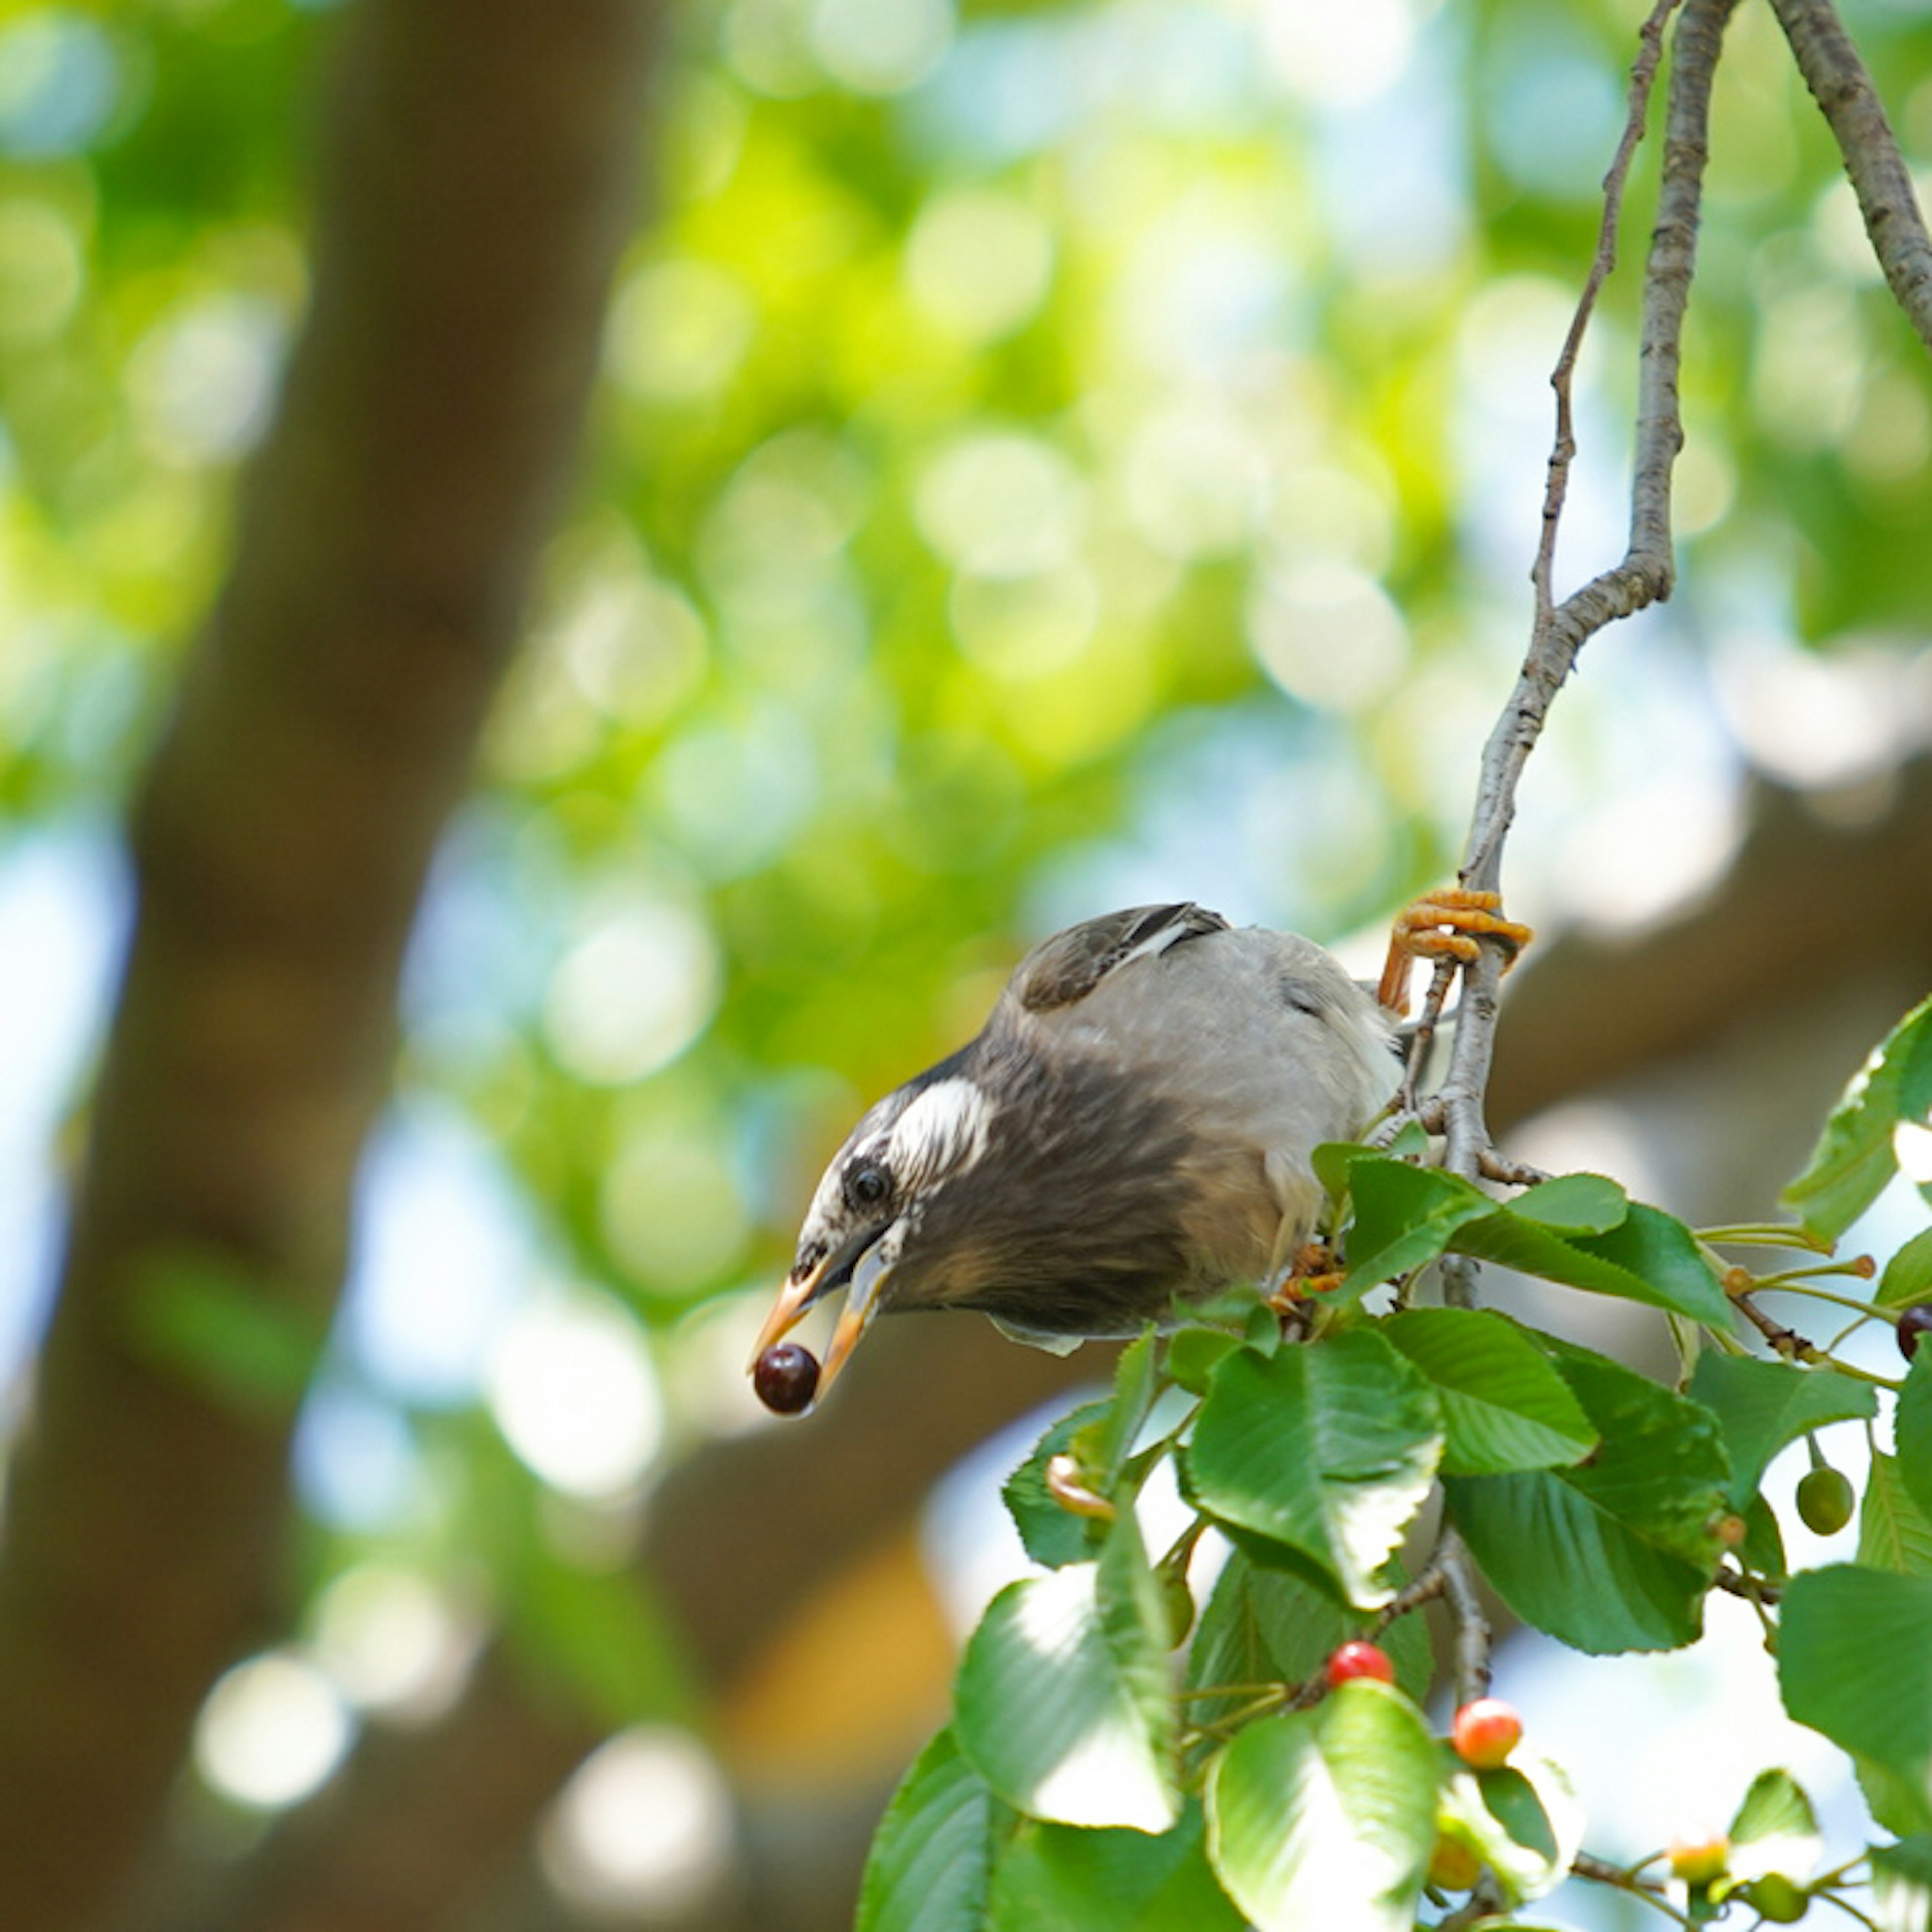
x=271 y=1731
x=979 y=262
x=571 y=1387
x=1328 y=634
x=59 y=82
x=644 y=1829
x=1001 y=504
x=41 y=272
x=1336 y=56
x=879 y=46
x=392 y=1641
x=634 y=992
x=203 y=380
x=679 y=331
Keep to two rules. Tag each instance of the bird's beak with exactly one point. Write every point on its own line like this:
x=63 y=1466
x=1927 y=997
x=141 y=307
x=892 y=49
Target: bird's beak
x=855 y=1266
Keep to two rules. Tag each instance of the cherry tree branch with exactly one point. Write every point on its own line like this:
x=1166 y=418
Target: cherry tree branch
x=1844 y=93
x=1559 y=630
x=1645 y=573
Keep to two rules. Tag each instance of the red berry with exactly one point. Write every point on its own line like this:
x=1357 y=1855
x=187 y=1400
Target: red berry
x=1360 y=1659
x=1912 y=1323
x=1485 y=1731
x=786 y=1377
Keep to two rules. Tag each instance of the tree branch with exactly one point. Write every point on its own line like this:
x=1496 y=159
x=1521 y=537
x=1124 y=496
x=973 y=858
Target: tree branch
x=1880 y=177
x=1645 y=573
x=479 y=180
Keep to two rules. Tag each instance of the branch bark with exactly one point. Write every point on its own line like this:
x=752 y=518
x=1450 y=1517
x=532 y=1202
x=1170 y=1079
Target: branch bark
x=478 y=182
x=1646 y=572
x=1844 y=93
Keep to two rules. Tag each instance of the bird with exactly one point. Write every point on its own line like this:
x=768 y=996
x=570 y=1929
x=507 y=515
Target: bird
x=1131 y=1131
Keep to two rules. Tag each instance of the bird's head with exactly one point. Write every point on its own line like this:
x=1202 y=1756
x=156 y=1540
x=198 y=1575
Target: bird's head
x=875 y=1201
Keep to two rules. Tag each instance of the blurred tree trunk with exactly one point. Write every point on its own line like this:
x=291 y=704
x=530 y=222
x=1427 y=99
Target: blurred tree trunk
x=480 y=161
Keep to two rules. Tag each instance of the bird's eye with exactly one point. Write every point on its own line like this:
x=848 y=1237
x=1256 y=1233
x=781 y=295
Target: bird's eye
x=868 y=1185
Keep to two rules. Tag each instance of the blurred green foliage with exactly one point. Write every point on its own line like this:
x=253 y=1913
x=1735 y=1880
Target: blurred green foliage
x=1049 y=454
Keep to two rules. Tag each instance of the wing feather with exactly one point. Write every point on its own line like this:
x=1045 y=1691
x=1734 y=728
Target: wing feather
x=1068 y=967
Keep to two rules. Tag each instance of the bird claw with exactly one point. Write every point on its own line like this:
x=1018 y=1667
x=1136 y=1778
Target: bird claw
x=1449 y=923
x=1312 y=1272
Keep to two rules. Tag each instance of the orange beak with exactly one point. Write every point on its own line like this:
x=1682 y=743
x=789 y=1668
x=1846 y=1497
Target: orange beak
x=799 y=1293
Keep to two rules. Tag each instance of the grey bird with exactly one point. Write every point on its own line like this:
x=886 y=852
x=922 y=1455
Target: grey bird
x=1130 y=1131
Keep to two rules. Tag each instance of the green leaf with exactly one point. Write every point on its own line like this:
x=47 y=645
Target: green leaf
x=1263 y=1626
x=1649 y=1256
x=1053 y=1535
x=932 y=1856
x=1853 y=1159
x=1578 y=1204
x=1761 y=1406
x=1763 y=1548
x=1615 y=1553
x=1522 y=1820
x=1504 y=1405
x=1062 y=1702
x=1775 y=1830
x=1404 y=1216
x=1853 y=1662
x=1136 y=1383
x=1194 y=1353
x=1334 y=1161
x=1907 y=1278
x=1902 y=1885
x=1912 y=1431
x=1327 y=1449
x=1109 y=1881
x=1894 y=1532
x=1326 y=1817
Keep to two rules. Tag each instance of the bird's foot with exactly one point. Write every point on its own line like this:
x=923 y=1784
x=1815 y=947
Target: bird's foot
x=1449 y=923
x=1315 y=1271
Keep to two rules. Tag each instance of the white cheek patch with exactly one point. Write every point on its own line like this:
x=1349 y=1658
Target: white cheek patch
x=945 y=1128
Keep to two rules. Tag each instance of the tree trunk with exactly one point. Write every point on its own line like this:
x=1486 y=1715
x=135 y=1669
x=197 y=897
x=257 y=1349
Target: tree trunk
x=477 y=183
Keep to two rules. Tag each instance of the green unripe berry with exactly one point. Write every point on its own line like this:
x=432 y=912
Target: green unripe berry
x=1826 y=1499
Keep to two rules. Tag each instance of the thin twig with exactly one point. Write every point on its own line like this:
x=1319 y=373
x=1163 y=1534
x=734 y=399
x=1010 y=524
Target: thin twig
x=1465 y=1612
x=1880 y=177
x=1643 y=74
x=1585 y=1865
x=1646 y=571
x=1422 y=1036
x=1432 y=1582
x=1793 y=1347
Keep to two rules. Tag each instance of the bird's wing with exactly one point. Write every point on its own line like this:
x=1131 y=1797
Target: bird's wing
x=1069 y=965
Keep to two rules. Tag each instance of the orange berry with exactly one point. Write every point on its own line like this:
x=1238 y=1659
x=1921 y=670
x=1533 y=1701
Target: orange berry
x=1485 y=1731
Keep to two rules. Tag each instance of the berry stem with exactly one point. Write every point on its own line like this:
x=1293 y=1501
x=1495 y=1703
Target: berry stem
x=1793 y=1347
x=1800 y=1281
x=1765 y=1234
x=1650 y=1890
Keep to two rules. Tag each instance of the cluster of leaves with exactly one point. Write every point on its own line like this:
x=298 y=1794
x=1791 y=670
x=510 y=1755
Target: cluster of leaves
x=1091 y=1776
